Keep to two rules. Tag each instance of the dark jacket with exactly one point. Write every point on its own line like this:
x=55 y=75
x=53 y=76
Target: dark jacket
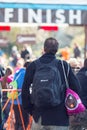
x=55 y=115
x=82 y=77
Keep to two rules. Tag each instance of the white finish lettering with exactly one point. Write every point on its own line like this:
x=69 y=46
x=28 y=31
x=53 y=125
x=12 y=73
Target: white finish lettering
x=8 y=14
x=60 y=16
x=33 y=16
x=48 y=16
x=20 y=15
x=73 y=17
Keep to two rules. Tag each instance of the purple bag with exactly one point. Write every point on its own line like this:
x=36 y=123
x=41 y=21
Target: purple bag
x=73 y=102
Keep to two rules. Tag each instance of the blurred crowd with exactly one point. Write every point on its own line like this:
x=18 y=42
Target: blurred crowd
x=9 y=69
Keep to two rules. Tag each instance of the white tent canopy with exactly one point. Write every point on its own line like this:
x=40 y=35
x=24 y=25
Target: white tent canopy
x=45 y=4
x=75 y=2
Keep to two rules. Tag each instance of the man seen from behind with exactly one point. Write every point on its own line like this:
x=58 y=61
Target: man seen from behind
x=46 y=100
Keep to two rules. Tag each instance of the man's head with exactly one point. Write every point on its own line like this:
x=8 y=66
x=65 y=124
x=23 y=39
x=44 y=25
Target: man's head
x=51 y=45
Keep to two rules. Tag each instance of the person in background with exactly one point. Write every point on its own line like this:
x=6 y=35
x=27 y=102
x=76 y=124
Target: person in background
x=19 y=77
x=51 y=118
x=27 y=63
x=65 y=53
x=79 y=121
x=82 y=76
x=25 y=54
x=14 y=56
x=2 y=73
x=76 y=51
x=4 y=81
x=6 y=78
x=19 y=64
x=1 y=52
x=74 y=64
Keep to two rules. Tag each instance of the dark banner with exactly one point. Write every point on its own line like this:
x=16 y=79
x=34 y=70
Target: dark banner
x=23 y=39
x=3 y=42
x=72 y=17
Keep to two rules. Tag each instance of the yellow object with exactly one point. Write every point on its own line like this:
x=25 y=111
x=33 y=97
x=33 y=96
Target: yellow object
x=14 y=93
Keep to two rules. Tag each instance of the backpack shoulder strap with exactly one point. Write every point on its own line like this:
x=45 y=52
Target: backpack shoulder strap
x=65 y=75
x=66 y=67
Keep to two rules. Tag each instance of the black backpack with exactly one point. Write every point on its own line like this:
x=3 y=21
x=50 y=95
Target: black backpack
x=47 y=85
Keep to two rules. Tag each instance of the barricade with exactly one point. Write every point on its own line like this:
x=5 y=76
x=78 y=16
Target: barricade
x=11 y=113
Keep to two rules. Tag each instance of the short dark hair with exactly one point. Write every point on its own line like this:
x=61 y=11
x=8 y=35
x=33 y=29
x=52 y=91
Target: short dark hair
x=51 y=45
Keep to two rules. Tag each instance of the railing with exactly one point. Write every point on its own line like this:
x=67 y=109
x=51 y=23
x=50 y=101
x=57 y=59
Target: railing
x=11 y=108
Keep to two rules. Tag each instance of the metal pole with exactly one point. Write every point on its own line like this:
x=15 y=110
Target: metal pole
x=85 y=46
x=0 y=107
